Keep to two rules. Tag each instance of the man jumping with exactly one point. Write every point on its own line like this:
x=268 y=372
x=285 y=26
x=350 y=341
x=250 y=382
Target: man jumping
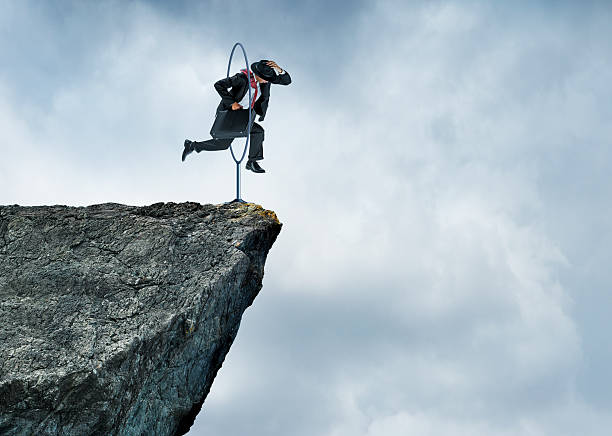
x=262 y=74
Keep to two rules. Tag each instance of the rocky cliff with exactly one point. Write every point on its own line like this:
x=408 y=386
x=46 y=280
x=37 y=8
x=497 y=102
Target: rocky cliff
x=115 y=319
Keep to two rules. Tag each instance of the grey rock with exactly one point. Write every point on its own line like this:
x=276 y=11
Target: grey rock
x=115 y=319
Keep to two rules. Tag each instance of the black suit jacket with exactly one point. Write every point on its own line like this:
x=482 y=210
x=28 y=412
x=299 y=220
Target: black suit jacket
x=238 y=87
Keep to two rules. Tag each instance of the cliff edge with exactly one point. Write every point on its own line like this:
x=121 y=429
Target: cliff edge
x=115 y=319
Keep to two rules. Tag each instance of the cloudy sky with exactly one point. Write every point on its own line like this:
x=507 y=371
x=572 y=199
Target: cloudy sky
x=442 y=171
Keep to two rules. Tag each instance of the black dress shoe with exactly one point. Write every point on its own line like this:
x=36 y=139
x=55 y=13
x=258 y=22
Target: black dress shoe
x=254 y=166
x=189 y=148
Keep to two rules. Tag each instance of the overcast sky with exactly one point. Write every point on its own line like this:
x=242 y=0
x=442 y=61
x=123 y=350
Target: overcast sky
x=442 y=171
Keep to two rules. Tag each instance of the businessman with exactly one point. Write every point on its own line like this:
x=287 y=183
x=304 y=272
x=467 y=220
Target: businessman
x=234 y=94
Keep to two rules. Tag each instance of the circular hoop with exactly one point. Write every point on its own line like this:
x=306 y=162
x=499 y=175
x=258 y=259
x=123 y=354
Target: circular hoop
x=229 y=65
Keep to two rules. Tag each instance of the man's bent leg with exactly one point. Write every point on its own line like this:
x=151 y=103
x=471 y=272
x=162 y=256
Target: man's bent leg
x=256 y=142
x=212 y=144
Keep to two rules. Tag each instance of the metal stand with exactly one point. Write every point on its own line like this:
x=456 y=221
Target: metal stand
x=238 y=161
x=238 y=199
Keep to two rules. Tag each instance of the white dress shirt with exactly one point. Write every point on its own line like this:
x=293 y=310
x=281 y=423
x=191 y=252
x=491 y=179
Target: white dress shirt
x=245 y=100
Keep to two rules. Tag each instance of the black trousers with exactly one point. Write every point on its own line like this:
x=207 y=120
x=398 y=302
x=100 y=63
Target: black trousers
x=255 y=144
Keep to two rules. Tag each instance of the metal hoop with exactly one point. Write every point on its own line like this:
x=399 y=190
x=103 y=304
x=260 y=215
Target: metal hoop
x=229 y=65
x=246 y=144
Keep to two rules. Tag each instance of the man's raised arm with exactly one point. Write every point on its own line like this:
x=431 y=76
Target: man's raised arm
x=282 y=76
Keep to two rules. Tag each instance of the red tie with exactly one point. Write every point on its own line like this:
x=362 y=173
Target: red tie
x=253 y=85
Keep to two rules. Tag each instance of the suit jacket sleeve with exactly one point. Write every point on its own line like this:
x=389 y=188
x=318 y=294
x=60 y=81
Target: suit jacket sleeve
x=282 y=79
x=261 y=105
x=223 y=85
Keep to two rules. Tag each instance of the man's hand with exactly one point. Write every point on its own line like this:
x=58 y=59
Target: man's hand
x=236 y=106
x=274 y=65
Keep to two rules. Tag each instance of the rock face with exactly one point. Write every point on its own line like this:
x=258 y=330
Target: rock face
x=115 y=319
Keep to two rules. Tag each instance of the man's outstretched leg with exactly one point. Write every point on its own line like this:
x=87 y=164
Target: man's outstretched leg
x=208 y=145
x=255 y=149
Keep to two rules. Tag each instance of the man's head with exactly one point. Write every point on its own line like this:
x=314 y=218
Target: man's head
x=263 y=72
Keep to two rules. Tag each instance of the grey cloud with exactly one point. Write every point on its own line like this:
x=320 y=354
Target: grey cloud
x=441 y=170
